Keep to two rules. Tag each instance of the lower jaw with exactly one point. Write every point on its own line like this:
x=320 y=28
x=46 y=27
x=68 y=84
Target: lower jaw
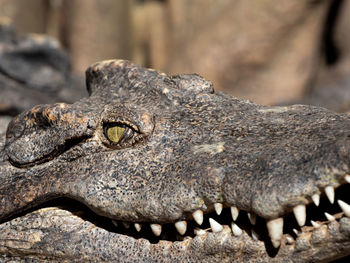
x=53 y=233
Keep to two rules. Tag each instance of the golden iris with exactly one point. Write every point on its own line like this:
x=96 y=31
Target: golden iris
x=115 y=133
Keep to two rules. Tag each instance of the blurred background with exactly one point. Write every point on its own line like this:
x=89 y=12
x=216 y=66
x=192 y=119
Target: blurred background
x=271 y=52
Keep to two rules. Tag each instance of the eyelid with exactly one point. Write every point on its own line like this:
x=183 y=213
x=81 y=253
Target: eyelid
x=111 y=121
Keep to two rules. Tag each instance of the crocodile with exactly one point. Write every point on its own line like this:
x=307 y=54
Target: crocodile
x=158 y=168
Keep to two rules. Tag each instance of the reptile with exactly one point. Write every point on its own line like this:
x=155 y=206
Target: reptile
x=158 y=168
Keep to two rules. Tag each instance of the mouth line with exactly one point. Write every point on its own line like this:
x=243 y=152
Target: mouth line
x=243 y=225
x=252 y=225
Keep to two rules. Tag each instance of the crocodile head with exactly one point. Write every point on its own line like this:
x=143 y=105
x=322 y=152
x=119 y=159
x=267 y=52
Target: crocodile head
x=154 y=167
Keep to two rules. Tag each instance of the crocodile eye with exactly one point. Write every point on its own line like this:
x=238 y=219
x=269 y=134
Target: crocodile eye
x=117 y=133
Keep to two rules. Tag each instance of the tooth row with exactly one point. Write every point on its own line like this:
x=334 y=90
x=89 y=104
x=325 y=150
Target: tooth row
x=274 y=226
x=300 y=210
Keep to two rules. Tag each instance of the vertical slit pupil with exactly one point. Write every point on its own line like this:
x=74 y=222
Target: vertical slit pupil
x=115 y=133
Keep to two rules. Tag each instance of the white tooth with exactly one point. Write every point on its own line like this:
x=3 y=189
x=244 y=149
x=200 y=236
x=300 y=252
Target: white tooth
x=275 y=228
x=137 y=227
x=345 y=207
x=295 y=231
x=315 y=224
x=290 y=240
x=329 y=217
x=218 y=208
x=330 y=193
x=181 y=227
x=316 y=199
x=126 y=225
x=199 y=232
x=236 y=230
x=234 y=212
x=300 y=214
x=156 y=229
x=347 y=178
x=252 y=218
x=215 y=226
x=255 y=235
x=115 y=223
x=198 y=216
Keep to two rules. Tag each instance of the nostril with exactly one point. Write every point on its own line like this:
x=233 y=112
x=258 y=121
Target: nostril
x=14 y=130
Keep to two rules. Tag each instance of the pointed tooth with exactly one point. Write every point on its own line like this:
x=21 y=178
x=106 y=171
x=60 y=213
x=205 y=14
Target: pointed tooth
x=215 y=226
x=252 y=218
x=300 y=214
x=236 y=230
x=137 y=227
x=345 y=207
x=156 y=229
x=275 y=228
x=315 y=224
x=218 y=208
x=198 y=216
x=347 y=178
x=255 y=236
x=181 y=227
x=290 y=240
x=330 y=193
x=115 y=223
x=316 y=199
x=295 y=231
x=199 y=232
x=329 y=217
x=126 y=225
x=234 y=212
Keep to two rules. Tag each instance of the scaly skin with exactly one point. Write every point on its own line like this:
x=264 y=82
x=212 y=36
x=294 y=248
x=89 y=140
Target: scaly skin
x=189 y=148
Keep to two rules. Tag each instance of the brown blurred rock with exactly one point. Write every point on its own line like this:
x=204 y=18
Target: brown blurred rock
x=34 y=69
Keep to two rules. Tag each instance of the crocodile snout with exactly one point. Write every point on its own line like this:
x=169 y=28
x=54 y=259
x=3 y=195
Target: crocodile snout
x=42 y=132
